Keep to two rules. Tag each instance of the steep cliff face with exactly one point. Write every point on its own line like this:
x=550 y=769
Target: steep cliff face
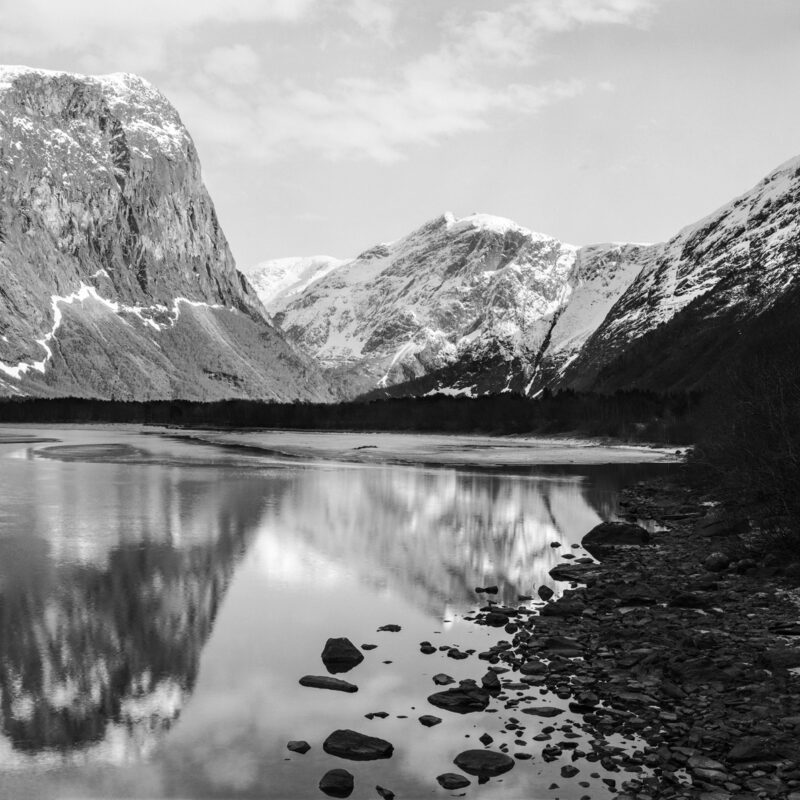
x=115 y=277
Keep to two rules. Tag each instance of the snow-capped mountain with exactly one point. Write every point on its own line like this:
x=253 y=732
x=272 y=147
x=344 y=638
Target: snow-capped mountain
x=277 y=281
x=453 y=291
x=480 y=304
x=117 y=280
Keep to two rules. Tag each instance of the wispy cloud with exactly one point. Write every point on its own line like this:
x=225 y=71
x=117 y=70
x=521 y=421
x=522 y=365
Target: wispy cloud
x=219 y=65
x=144 y=33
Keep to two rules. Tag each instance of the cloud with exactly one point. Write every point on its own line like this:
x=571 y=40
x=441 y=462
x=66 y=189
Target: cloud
x=377 y=17
x=249 y=91
x=126 y=36
x=235 y=64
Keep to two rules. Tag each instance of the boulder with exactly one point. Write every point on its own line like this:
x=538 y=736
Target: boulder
x=298 y=746
x=341 y=655
x=326 y=682
x=545 y=593
x=483 y=763
x=391 y=628
x=386 y=794
x=337 y=783
x=357 y=746
x=464 y=699
x=450 y=781
x=428 y=720
x=716 y=562
x=441 y=679
x=607 y=535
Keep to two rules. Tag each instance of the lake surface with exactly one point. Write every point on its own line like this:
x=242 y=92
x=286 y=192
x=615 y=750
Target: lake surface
x=160 y=598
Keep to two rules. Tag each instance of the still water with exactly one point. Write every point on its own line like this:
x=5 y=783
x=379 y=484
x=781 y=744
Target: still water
x=160 y=598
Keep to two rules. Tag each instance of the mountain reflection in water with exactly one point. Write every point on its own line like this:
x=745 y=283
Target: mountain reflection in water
x=112 y=576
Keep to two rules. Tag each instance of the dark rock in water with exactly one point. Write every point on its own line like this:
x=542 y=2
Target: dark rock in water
x=298 y=746
x=386 y=794
x=487 y=589
x=368 y=646
x=545 y=592
x=717 y=562
x=356 y=746
x=390 y=628
x=450 y=781
x=491 y=682
x=485 y=739
x=611 y=534
x=326 y=682
x=427 y=649
x=568 y=771
x=337 y=783
x=483 y=763
x=378 y=714
x=341 y=655
x=496 y=619
x=428 y=720
x=542 y=711
x=440 y=679
x=459 y=655
x=461 y=700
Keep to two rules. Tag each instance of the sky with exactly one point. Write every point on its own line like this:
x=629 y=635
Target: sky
x=327 y=126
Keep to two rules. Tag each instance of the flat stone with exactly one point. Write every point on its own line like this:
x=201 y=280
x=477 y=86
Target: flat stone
x=326 y=682
x=461 y=700
x=341 y=655
x=298 y=746
x=356 y=746
x=337 y=783
x=391 y=628
x=450 y=781
x=441 y=679
x=484 y=763
x=428 y=720
x=543 y=711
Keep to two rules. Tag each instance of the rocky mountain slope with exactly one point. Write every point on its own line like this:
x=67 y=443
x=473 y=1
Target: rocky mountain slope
x=706 y=282
x=481 y=305
x=115 y=277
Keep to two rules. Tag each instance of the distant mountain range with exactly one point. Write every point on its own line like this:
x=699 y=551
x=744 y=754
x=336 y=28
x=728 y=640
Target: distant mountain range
x=482 y=305
x=116 y=280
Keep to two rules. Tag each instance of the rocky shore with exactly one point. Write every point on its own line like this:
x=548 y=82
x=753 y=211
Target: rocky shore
x=665 y=671
x=682 y=643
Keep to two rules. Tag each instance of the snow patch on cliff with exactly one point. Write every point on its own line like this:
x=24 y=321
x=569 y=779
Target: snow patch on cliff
x=84 y=293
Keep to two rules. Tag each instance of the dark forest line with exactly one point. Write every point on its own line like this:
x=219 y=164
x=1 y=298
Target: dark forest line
x=627 y=415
